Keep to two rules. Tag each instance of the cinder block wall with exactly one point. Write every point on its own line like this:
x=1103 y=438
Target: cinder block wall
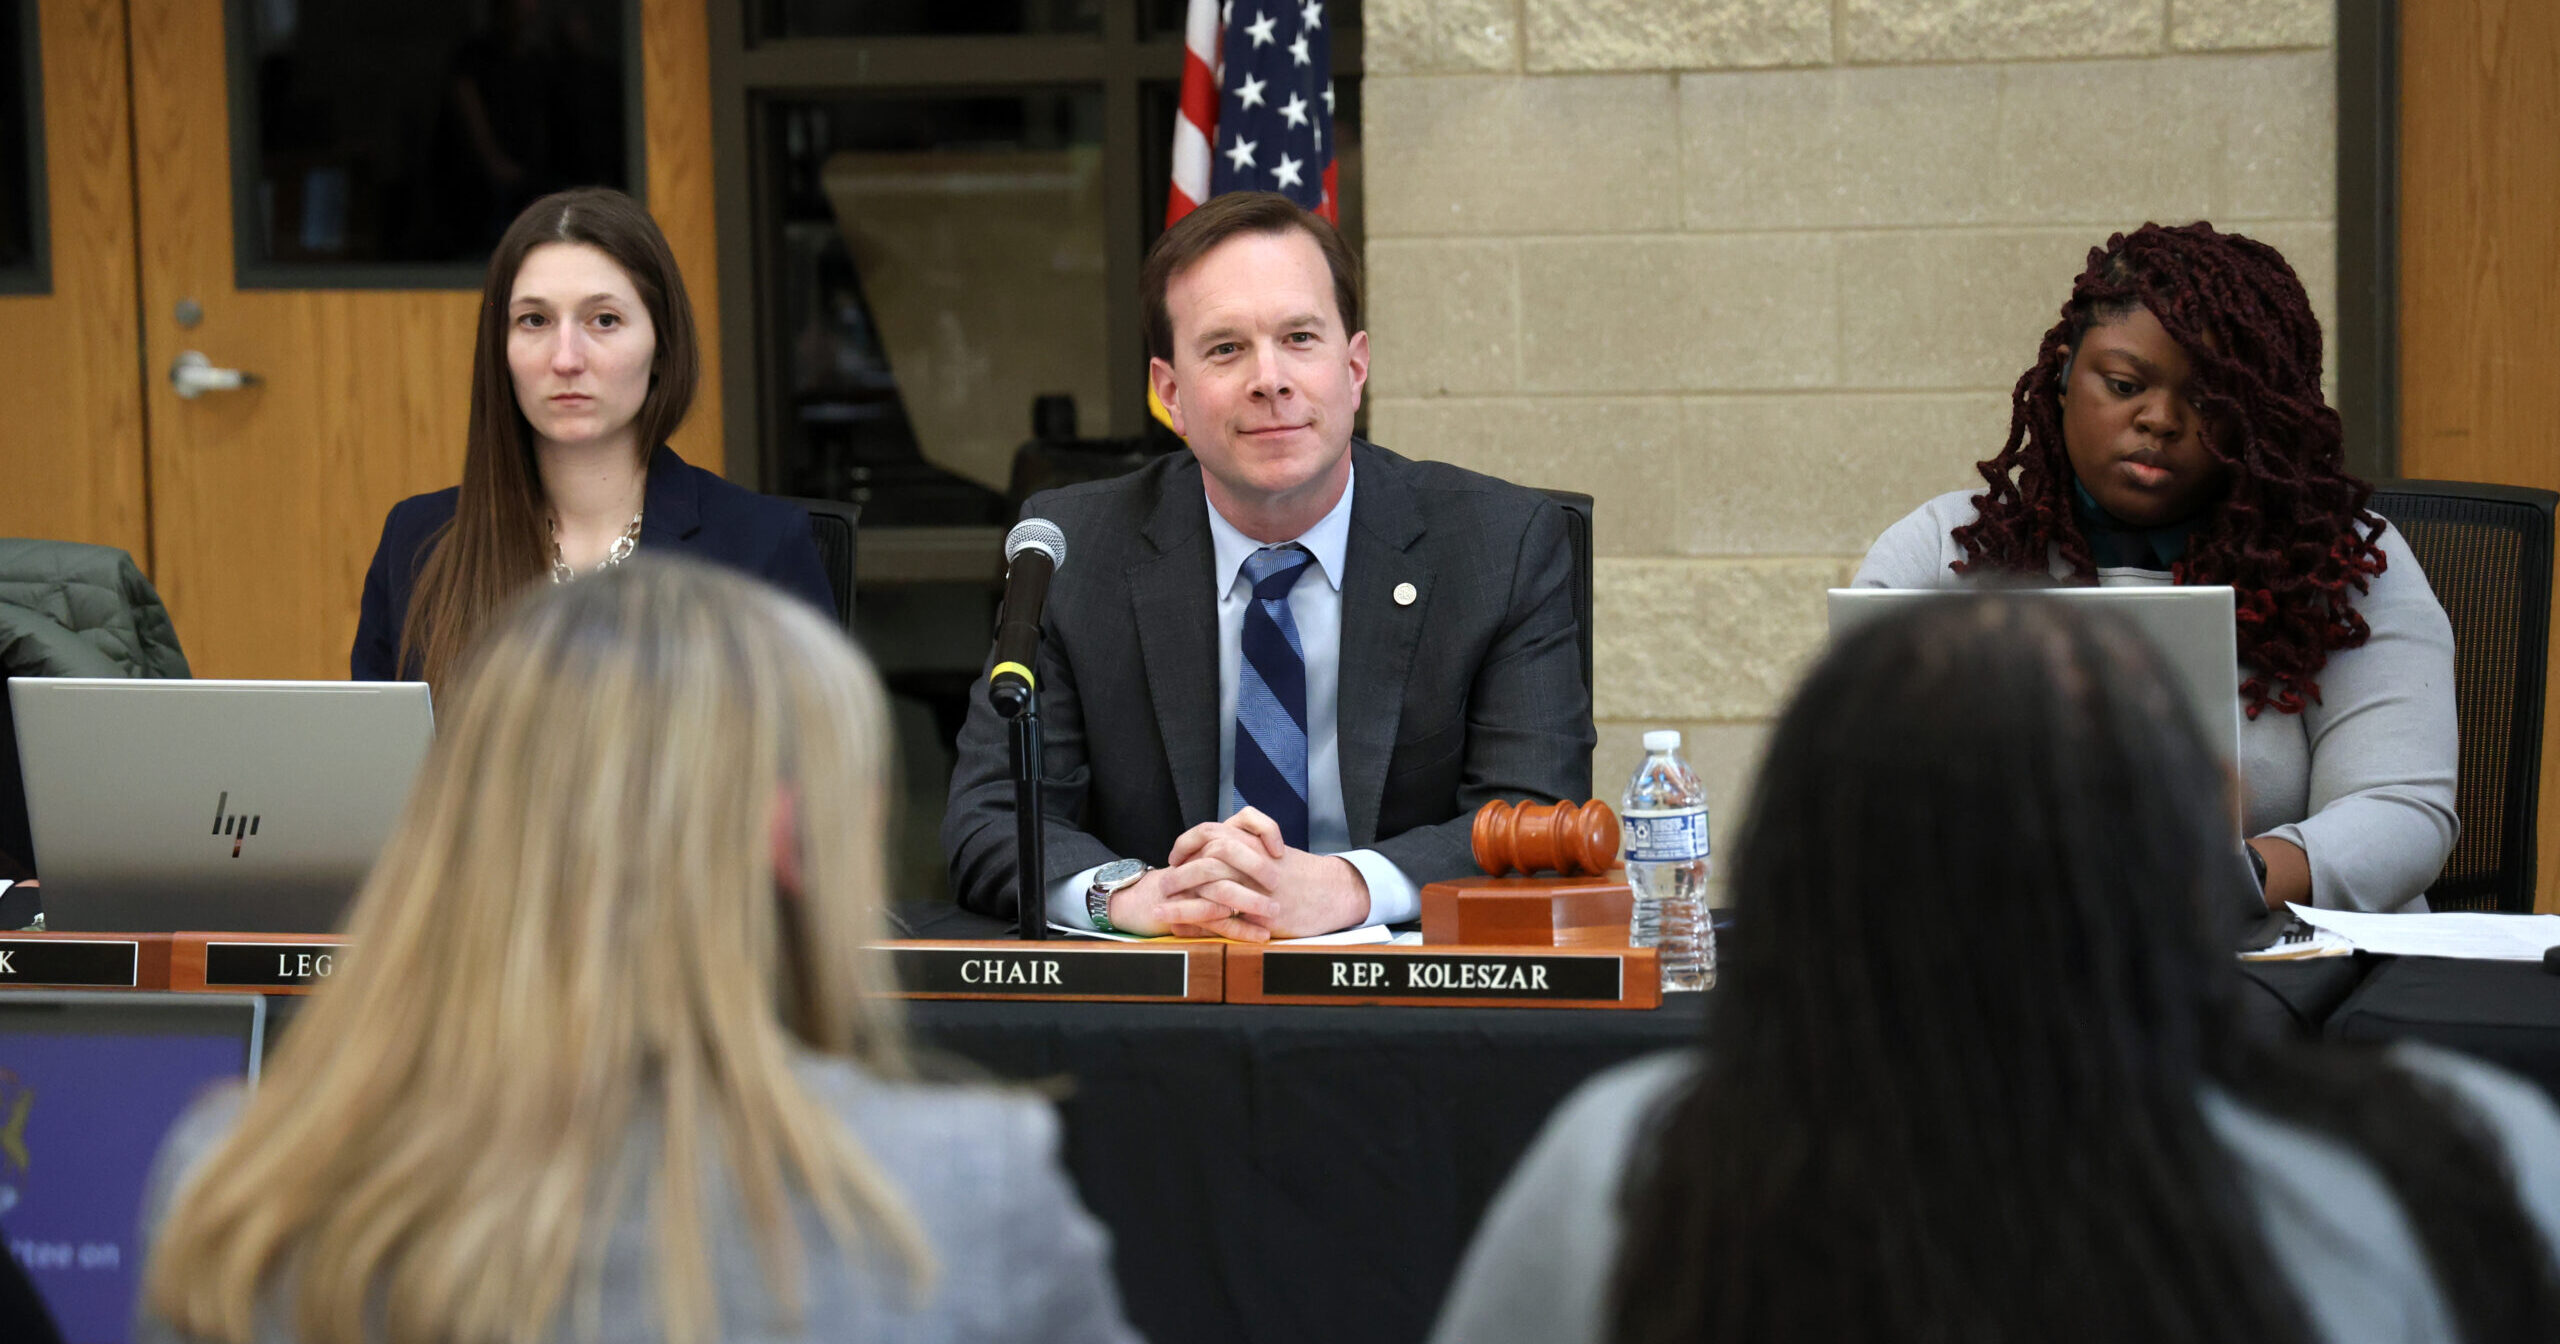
x=1759 y=274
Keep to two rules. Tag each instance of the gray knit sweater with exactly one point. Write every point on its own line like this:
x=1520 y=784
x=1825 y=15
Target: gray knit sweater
x=2362 y=780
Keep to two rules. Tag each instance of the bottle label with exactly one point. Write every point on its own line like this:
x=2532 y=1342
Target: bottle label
x=1677 y=835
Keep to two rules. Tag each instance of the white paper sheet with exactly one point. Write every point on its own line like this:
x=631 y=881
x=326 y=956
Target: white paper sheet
x=2460 y=934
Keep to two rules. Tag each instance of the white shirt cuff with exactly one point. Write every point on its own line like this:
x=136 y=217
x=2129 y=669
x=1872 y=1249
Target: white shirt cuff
x=1393 y=899
x=1066 y=900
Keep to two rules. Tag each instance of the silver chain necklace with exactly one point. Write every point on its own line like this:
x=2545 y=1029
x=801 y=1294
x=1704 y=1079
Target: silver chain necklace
x=619 y=552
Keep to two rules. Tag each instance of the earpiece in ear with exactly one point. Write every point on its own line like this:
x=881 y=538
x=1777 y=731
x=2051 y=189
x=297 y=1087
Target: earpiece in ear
x=2063 y=379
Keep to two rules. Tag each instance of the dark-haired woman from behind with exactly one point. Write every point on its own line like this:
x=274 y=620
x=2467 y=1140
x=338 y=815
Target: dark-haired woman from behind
x=1975 y=1076
x=2172 y=430
x=586 y=361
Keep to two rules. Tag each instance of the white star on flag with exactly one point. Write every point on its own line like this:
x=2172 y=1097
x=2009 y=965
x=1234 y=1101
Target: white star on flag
x=1260 y=28
x=1242 y=155
x=1249 y=93
x=1294 y=111
x=1298 y=50
x=1328 y=97
x=1287 y=173
x=1312 y=14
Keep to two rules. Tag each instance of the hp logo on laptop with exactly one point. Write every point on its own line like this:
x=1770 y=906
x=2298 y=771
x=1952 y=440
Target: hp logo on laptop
x=227 y=822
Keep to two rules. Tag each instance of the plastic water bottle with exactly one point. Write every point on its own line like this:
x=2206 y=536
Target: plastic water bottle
x=1664 y=818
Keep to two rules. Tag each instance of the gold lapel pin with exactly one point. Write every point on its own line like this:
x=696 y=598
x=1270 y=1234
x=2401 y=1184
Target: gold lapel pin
x=1405 y=593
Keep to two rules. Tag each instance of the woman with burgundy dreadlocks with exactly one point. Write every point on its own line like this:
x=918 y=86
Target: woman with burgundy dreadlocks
x=2172 y=430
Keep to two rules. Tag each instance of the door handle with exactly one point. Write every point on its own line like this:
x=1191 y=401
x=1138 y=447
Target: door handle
x=194 y=375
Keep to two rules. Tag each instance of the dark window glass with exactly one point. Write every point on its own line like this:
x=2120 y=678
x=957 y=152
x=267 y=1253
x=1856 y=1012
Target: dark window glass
x=925 y=18
x=21 y=182
x=412 y=134
x=937 y=264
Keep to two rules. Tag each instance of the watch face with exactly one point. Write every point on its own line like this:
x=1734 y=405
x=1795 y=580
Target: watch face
x=1119 y=872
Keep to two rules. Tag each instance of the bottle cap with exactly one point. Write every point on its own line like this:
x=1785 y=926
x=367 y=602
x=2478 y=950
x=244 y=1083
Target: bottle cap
x=1662 y=739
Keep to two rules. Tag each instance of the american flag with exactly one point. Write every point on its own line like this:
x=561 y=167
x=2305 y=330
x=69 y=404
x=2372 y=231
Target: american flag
x=1257 y=104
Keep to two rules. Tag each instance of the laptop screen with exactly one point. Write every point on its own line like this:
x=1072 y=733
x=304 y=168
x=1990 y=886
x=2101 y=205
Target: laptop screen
x=89 y=1085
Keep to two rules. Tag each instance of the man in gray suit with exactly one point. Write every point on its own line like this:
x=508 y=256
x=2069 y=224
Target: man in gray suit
x=1280 y=671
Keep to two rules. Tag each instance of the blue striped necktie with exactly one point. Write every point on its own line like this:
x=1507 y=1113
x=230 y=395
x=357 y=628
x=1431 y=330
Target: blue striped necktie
x=1271 y=696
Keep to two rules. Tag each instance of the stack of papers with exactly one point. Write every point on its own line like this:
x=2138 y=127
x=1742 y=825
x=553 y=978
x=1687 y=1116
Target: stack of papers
x=2478 y=936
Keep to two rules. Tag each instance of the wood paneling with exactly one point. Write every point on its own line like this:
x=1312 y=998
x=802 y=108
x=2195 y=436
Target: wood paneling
x=267 y=501
x=2479 y=271
x=71 y=458
x=675 y=56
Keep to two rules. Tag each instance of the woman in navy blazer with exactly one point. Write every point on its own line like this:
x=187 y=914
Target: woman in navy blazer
x=586 y=361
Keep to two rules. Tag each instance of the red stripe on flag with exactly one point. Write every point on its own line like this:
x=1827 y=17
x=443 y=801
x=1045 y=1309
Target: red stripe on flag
x=1199 y=94
x=1331 y=206
x=1177 y=205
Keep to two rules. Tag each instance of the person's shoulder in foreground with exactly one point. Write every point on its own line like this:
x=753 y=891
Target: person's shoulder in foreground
x=1016 y=1255
x=1916 y=551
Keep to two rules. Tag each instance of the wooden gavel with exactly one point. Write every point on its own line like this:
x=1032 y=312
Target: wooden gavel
x=1569 y=839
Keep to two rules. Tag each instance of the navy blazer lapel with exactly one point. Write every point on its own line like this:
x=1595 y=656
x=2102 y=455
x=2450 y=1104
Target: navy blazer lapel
x=1177 y=619
x=671 y=510
x=1378 y=634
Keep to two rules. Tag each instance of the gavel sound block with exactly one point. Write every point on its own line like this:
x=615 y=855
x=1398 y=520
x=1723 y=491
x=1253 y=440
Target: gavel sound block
x=1583 y=904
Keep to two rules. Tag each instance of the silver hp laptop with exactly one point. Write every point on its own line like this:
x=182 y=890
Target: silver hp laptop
x=234 y=806
x=2191 y=627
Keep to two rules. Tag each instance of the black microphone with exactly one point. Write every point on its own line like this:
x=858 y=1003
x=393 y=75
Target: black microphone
x=1033 y=551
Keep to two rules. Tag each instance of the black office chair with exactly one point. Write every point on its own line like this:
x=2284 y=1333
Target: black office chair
x=834 y=522
x=1577 y=521
x=2487 y=553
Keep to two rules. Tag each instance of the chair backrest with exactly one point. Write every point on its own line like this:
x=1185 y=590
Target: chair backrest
x=2486 y=550
x=834 y=522
x=1577 y=522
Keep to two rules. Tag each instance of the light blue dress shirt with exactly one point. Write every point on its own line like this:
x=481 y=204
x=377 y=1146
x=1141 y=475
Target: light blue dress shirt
x=1316 y=605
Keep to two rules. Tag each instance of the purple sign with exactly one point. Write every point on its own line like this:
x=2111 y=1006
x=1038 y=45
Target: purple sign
x=80 y=1119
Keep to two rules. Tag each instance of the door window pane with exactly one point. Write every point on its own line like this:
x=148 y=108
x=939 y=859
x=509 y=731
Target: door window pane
x=369 y=135
x=925 y=18
x=21 y=153
x=938 y=265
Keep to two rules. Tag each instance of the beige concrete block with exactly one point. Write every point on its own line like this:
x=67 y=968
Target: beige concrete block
x=1953 y=310
x=1622 y=453
x=1997 y=30
x=1834 y=148
x=1676 y=34
x=2279 y=114
x=1443 y=316
x=1706 y=639
x=1401 y=37
x=1499 y=154
x=1679 y=314
x=2222 y=25
x=1825 y=474
x=2109 y=142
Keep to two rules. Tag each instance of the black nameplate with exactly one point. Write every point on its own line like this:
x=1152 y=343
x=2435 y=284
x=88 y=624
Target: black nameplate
x=1034 y=971
x=62 y=961
x=1358 y=975
x=269 y=965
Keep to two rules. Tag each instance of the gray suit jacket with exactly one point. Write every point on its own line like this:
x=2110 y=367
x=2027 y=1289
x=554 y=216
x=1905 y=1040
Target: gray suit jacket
x=1473 y=692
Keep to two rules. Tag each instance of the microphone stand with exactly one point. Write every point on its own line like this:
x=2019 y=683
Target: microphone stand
x=1021 y=705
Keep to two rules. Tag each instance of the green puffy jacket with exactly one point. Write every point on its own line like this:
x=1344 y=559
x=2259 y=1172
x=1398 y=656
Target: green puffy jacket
x=73 y=610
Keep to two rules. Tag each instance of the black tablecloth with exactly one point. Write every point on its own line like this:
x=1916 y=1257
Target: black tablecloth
x=1291 y=1174
x=2506 y=1012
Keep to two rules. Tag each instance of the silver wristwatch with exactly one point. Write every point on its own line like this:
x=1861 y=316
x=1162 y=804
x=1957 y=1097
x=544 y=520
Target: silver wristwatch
x=1108 y=879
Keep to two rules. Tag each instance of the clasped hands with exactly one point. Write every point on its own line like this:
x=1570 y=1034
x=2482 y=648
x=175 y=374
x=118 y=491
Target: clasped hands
x=1238 y=879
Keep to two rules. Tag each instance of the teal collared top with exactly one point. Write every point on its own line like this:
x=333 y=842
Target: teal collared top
x=2117 y=544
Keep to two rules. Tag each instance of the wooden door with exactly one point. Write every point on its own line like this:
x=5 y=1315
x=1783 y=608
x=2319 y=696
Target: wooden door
x=2479 y=274
x=267 y=502
x=71 y=440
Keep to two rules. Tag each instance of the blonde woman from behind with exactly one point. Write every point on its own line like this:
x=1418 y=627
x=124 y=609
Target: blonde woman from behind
x=600 y=1063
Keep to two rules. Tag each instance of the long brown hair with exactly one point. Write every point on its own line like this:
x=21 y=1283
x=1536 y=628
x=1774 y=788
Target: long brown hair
x=575 y=989
x=496 y=542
